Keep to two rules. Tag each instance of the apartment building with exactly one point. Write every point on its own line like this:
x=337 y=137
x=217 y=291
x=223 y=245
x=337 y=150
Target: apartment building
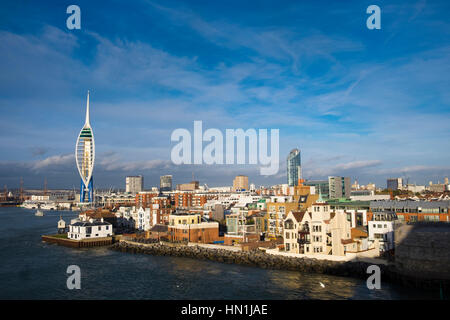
x=190 y=228
x=161 y=209
x=277 y=209
x=414 y=211
x=144 y=199
x=134 y=184
x=240 y=183
x=321 y=230
x=382 y=229
x=339 y=187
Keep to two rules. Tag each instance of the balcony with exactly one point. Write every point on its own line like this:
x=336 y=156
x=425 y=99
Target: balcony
x=303 y=230
x=303 y=241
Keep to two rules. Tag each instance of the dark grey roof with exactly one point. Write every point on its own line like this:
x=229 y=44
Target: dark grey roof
x=159 y=228
x=410 y=204
x=91 y=224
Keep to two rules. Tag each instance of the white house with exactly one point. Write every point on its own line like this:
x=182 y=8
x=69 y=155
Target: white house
x=381 y=229
x=143 y=219
x=79 y=230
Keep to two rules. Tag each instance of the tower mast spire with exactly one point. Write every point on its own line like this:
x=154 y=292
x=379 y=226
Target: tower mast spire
x=87 y=110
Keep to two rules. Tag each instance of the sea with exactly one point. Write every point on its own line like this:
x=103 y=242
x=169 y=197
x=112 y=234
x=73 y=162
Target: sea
x=32 y=269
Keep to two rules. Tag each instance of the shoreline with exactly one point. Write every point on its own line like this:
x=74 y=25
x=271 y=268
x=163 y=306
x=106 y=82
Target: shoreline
x=258 y=258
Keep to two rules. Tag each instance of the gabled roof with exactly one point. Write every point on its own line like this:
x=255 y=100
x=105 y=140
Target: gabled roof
x=298 y=215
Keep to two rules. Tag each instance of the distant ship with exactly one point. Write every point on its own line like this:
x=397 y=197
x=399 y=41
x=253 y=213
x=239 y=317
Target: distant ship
x=39 y=213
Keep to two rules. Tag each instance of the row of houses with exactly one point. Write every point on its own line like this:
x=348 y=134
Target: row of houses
x=299 y=223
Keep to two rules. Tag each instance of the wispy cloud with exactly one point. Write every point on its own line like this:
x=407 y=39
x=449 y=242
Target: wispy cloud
x=334 y=90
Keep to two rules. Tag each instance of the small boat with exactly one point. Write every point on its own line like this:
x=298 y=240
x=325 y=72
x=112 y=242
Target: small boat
x=39 y=213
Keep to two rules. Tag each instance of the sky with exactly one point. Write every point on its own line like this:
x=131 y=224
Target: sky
x=369 y=104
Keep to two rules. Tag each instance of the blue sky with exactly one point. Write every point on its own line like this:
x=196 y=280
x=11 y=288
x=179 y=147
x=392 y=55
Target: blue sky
x=369 y=104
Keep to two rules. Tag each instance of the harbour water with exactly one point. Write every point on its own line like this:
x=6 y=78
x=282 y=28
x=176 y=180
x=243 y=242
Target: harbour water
x=32 y=269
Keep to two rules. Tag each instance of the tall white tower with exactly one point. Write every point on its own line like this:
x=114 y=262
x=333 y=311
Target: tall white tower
x=85 y=156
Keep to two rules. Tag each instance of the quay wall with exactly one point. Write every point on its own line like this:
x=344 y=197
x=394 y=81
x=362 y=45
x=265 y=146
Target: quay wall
x=423 y=249
x=258 y=258
x=78 y=243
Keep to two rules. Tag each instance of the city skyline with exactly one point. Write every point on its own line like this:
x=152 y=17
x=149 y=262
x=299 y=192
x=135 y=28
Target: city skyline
x=342 y=94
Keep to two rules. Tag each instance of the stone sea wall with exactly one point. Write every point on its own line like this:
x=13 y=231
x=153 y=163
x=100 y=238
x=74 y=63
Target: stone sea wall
x=423 y=250
x=357 y=269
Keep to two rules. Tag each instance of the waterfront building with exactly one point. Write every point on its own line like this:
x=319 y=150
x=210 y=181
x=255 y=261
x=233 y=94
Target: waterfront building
x=339 y=187
x=277 y=208
x=293 y=243
x=394 y=183
x=217 y=212
x=240 y=229
x=61 y=226
x=414 y=211
x=294 y=170
x=134 y=184
x=381 y=228
x=117 y=200
x=143 y=222
x=161 y=209
x=240 y=183
x=125 y=219
x=79 y=230
x=85 y=157
x=322 y=230
x=165 y=183
x=190 y=228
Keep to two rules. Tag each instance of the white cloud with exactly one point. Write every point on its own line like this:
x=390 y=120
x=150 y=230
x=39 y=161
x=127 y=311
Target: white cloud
x=57 y=160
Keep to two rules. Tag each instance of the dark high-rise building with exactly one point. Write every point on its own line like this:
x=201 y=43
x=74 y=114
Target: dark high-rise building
x=394 y=183
x=165 y=183
x=294 y=168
